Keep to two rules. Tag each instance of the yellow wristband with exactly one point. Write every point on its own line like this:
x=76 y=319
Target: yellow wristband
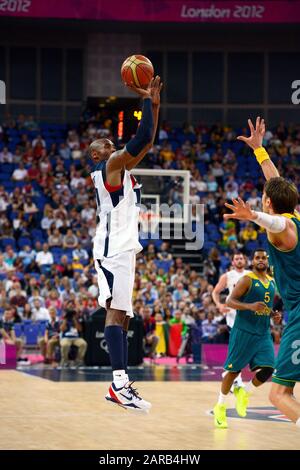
x=261 y=155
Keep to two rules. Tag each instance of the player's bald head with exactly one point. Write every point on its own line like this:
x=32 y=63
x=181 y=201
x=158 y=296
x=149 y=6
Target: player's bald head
x=101 y=149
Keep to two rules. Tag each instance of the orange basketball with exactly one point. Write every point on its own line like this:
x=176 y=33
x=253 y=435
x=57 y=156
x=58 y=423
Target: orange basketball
x=137 y=70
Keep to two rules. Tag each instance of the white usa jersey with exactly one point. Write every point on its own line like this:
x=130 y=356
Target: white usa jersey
x=232 y=279
x=118 y=211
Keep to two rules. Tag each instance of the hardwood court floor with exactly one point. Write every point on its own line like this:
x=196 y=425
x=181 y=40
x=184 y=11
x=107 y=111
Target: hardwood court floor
x=41 y=414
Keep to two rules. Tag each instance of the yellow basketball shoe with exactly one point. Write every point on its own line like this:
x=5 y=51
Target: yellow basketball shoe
x=220 y=416
x=242 y=400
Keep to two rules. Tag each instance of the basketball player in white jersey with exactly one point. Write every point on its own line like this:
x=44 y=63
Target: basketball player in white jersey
x=228 y=281
x=116 y=241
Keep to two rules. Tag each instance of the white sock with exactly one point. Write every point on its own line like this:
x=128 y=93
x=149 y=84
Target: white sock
x=120 y=378
x=249 y=387
x=222 y=398
x=298 y=423
x=238 y=380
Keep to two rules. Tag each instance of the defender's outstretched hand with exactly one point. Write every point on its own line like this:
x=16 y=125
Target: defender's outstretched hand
x=256 y=138
x=240 y=210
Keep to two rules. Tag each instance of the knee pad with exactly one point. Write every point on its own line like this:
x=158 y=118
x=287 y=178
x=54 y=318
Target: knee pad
x=264 y=374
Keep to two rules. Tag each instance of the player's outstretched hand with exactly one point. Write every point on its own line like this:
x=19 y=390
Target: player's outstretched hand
x=240 y=210
x=155 y=90
x=143 y=92
x=256 y=138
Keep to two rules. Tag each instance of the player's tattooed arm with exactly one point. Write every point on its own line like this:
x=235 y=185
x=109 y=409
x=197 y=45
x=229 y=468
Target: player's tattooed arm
x=239 y=290
x=255 y=142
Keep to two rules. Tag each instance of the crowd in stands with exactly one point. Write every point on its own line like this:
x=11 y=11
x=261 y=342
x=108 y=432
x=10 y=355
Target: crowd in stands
x=48 y=219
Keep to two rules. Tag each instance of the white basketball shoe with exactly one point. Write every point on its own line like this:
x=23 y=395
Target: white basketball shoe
x=128 y=398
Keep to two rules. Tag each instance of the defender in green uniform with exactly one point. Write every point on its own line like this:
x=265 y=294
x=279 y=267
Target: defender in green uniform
x=282 y=223
x=250 y=339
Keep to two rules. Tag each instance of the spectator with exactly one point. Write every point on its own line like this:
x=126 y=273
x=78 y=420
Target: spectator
x=254 y=200
x=248 y=233
x=6 y=156
x=4 y=267
x=150 y=339
x=30 y=207
x=77 y=180
x=44 y=258
x=10 y=257
x=80 y=253
x=27 y=255
x=48 y=219
x=64 y=151
x=88 y=213
x=19 y=299
x=65 y=268
x=39 y=141
x=39 y=313
x=180 y=293
x=209 y=329
x=50 y=340
x=20 y=174
x=70 y=329
x=36 y=296
x=93 y=290
x=8 y=334
x=53 y=300
x=177 y=319
x=70 y=240
x=55 y=239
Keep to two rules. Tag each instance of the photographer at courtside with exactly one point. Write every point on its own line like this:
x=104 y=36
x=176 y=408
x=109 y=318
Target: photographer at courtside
x=70 y=330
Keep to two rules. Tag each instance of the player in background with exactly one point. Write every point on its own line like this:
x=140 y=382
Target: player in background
x=282 y=223
x=116 y=241
x=250 y=339
x=228 y=281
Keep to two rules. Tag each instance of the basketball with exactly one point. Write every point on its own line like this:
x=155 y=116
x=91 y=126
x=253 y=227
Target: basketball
x=137 y=70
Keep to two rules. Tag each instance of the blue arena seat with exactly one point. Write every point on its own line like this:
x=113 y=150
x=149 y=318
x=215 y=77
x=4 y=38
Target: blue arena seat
x=23 y=241
x=18 y=329
x=31 y=333
x=251 y=245
x=8 y=241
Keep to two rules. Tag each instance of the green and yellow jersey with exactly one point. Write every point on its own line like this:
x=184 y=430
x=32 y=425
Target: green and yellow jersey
x=286 y=266
x=257 y=323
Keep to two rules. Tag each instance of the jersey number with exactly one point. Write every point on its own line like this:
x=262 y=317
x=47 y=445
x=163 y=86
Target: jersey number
x=267 y=297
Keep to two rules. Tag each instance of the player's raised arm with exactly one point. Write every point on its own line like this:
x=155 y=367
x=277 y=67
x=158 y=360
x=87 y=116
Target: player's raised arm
x=255 y=142
x=141 y=143
x=239 y=291
x=281 y=230
x=155 y=89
